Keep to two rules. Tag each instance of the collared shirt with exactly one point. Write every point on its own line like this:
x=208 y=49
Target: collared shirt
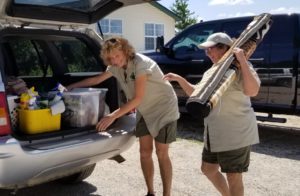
x=232 y=122
x=159 y=105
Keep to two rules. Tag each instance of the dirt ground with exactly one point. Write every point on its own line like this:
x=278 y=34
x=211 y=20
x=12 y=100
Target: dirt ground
x=274 y=170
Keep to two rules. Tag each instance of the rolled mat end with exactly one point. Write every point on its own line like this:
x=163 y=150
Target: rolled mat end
x=198 y=110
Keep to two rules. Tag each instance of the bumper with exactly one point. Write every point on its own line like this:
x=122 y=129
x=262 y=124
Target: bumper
x=26 y=164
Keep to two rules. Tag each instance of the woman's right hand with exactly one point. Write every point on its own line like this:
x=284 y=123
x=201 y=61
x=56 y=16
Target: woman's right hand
x=171 y=77
x=104 y=122
x=69 y=87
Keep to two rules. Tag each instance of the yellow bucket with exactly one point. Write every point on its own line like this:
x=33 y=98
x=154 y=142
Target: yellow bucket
x=38 y=121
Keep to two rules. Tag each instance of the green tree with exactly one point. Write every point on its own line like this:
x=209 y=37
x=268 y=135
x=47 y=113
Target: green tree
x=180 y=8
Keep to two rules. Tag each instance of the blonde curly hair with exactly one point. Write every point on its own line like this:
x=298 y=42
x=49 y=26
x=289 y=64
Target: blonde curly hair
x=119 y=44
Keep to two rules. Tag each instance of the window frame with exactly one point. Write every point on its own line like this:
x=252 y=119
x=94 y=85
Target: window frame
x=109 y=26
x=154 y=36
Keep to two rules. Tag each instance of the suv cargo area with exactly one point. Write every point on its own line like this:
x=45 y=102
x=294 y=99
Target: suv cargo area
x=43 y=58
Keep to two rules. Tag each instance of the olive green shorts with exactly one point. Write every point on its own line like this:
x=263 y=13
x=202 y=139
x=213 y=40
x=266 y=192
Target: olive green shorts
x=166 y=135
x=233 y=161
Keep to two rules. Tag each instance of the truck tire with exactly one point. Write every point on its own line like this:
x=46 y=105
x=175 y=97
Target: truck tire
x=78 y=177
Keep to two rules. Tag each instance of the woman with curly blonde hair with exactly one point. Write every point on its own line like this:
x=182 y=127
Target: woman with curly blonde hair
x=152 y=97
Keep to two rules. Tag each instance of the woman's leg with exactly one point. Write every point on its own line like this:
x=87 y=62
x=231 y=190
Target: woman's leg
x=211 y=171
x=146 y=149
x=235 y=182
x=165 y=166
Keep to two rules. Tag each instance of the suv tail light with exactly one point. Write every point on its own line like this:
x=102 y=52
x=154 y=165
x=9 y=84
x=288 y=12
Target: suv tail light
x=5 y=127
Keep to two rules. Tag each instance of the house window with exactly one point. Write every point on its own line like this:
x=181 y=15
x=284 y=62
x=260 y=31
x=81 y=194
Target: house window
x=151 y=32
x=104 y=23
x=111 y=26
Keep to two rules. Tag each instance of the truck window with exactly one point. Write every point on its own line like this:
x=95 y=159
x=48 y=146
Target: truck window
x=188 y=41
x=234 y=28
x=281 y=39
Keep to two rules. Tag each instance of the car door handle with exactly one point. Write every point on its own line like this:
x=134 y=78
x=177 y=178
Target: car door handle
x=256 y=60
x=198 y=60
x=193 y=76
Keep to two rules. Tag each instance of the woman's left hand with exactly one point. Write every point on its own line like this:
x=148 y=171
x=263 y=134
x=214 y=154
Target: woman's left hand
x=104 y=123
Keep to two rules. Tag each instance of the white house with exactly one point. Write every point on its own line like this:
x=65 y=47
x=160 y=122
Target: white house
x=140 y=24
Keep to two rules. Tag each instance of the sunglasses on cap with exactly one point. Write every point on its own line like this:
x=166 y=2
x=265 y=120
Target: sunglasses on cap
x=112 y=41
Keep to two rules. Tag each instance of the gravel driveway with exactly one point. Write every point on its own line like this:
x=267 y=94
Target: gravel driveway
x=274 y=170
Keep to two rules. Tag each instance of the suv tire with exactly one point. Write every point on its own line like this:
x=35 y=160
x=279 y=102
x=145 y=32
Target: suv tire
x=78 y=177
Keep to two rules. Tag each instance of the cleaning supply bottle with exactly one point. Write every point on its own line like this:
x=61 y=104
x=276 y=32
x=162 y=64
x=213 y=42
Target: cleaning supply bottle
x=24 y=101
x=32 y=103
x=25 y=98
x=57 y=98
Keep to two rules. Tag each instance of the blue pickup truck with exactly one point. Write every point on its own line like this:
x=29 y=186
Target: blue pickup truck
x=276 y=59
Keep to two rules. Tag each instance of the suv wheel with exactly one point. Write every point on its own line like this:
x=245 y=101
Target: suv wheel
x=78 y=177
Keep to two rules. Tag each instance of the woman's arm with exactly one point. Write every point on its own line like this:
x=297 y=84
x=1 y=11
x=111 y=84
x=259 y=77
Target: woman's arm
x=184 y=84
x=250 y=83
x=140 y=84
x=90 y=81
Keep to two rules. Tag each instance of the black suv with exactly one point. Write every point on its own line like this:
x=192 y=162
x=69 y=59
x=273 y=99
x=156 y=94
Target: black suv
x=45 y=43
x=276 y=59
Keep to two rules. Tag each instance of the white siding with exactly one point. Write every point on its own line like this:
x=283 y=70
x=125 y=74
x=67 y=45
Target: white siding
x=134 y=19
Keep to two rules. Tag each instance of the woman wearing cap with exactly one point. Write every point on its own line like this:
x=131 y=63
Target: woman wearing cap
x=155 y=101
x=231 y=127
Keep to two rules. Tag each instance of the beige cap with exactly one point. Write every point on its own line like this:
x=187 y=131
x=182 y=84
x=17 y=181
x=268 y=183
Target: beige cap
x=216 y=38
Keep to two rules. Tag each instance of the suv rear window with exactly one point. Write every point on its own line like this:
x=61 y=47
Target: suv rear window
x=29 y=58
x=77 y=56
x=33 y=57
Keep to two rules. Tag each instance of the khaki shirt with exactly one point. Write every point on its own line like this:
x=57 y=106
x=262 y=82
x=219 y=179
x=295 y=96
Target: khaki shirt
x=232 y=122
x=159 y=105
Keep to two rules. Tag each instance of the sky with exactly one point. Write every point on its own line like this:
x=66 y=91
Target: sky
x=216 y=9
